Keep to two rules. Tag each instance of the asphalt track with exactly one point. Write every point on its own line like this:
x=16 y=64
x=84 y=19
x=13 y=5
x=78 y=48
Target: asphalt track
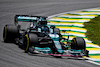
x=12 y=56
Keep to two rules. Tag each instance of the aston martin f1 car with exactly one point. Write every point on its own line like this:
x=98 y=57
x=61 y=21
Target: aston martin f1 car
x=32 y=33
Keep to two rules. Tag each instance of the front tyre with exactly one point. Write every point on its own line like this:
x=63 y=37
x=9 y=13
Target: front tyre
x=30 y=39
x=78 y=43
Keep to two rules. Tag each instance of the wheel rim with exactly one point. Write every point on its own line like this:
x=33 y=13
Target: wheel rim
x=5 y=33
x=27 y=43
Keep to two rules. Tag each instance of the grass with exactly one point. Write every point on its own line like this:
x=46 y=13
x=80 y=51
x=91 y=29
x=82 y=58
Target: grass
x=93 y=30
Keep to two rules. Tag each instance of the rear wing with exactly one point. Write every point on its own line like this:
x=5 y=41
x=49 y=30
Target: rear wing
x=27 y=18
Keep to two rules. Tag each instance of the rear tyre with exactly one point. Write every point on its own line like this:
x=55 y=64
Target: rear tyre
x=33 y=38
x=10 y=32
x=78 y=43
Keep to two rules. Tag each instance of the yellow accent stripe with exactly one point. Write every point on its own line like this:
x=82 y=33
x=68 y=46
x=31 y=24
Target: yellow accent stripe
x=74 y=42
x=96 y=57
x=92 y=48
x=79 y=23
x=27 y=42
x=69 y=36
x=78 y=15
x=73 y=32
x=72 y=28
x=32 y=46
x=69 y=19
x=65 y=42
x=79 y=28
x=91 y=43
x=72 y=37
x=61 y=22
x=67 y=23
x=88 y=12
x=5 y=32
x=63 y=27
x=56 y=22
x=71 y=15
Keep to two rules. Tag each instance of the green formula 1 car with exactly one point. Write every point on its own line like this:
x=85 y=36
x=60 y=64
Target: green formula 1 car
x=32 y=33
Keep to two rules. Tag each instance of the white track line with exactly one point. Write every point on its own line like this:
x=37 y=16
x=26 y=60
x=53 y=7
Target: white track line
x=93 y=62
x=69 y=20
x=77 y=16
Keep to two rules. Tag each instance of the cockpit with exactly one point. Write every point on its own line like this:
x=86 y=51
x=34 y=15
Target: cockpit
x=43 y=29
